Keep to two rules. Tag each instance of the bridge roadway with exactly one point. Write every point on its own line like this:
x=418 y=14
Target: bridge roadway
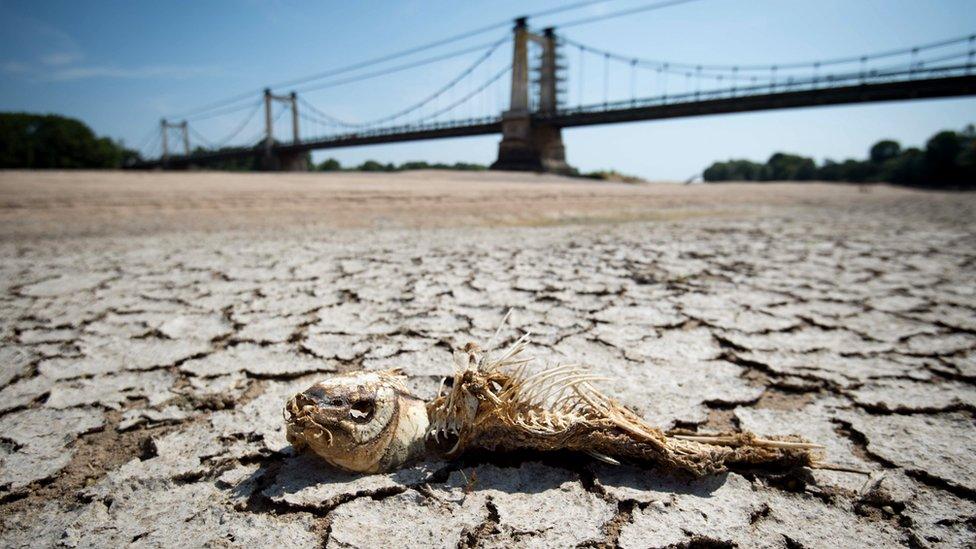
x=686 y=105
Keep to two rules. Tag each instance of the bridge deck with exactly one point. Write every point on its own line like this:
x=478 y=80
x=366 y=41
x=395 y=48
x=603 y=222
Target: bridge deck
x=864 y=93
x=630 y=111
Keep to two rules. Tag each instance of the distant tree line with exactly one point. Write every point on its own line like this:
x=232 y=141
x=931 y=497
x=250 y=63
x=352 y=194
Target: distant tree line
x=333 y=165
x=612 y=176
x=37 y=141
x=948 y=161
x=244 y=163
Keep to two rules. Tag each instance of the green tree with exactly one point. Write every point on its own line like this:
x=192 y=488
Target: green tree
x=942 y=154
x=829 y=171
x=242 y=164
x=718 y=171
x=967 y=156
x=884 y=150
x=329 y=165
x=908 y=168
x=744 y=170
x=789 y=167
x=468 y=167
x=733 y=170
x=52 y=141
x=948 y=161
x=856 y=171
x=414 y=165
x=373 y=166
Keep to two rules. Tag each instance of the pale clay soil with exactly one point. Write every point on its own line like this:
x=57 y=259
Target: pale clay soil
x=154 y=323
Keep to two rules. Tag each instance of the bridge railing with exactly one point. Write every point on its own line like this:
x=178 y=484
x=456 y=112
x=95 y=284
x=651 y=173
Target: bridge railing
x=874 y=76
x=401 y=129
x=811 y=83
x=322 y=141
x=822 y=82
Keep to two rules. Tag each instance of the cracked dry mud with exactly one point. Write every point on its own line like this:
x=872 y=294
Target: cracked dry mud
x=142 y=378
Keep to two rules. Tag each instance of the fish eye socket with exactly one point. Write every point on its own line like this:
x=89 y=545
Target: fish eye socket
x=321 y=397
x=361 y=411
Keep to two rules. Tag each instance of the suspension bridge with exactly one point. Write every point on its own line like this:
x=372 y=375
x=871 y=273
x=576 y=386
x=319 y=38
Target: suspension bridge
x=526 y=97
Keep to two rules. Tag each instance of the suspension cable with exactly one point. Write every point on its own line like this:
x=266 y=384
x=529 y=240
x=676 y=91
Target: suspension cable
x=206 y=142
x=325 y=117
x=451 y=106
x=389 y=57
x=322 y=121
x=281 y=111
x=653 y=63
x=221 y=112
x=621 y=13
x=395 y=68
x=579 y=100
x=443 y=89
x=468 y=96
x=149 y=150
x=146 y=138
x=247 y=120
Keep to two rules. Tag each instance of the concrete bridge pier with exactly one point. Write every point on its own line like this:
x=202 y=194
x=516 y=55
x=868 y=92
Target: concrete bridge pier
x=528 y=145
x=293 y=162
x=275 y=161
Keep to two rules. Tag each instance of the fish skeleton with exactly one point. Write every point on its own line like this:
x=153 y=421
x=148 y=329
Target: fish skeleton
x=369 y=422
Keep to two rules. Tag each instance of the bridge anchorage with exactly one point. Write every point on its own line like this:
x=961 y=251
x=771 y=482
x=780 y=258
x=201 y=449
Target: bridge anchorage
x=530 y=144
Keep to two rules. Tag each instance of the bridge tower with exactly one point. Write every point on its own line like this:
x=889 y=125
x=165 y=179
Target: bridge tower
x=527 y=145
x=291 y=161
x=165 y=126
x=186 y=137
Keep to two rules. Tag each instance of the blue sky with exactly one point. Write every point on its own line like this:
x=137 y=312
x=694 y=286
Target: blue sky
x=121 y=65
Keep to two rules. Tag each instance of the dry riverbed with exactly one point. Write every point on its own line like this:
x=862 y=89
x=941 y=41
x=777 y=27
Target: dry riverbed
x=154 y=324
